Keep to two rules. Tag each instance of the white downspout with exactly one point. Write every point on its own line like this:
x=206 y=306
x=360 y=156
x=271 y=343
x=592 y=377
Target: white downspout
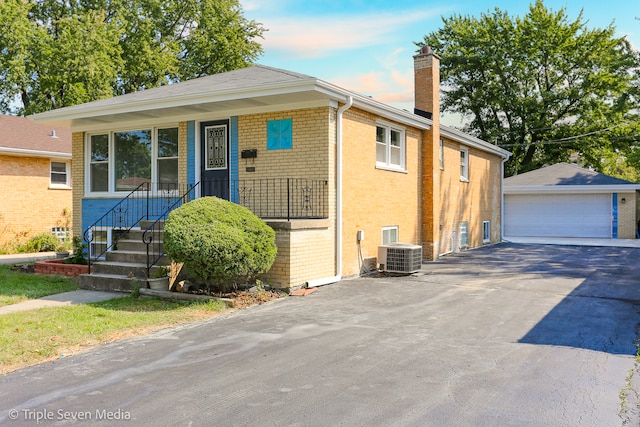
x=338 y=276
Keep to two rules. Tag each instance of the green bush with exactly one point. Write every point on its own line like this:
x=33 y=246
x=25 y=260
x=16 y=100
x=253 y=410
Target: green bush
x=218 y=241
x=78 y=256
x=43 y=242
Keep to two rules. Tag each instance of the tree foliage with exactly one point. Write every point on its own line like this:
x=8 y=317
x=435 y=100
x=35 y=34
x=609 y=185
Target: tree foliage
x=541 y=86
x=218 y=241
x=59 y=53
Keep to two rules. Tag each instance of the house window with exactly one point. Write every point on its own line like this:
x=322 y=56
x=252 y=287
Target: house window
x=122 y=160
x=464 y=234
x=59 y=176
x=279 y=134
x=389 y=235
x=441 y=154
x=99 y=163
x=167 y=158
x=132 y=158
x=390 y=146
x=486 y=231
x=464 y=164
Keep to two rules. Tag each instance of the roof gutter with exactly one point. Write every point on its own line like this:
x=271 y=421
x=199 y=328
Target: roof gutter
x=338 y=276
x=34 y=153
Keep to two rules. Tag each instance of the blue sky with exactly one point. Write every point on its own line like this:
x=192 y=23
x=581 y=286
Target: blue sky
x=367 y=45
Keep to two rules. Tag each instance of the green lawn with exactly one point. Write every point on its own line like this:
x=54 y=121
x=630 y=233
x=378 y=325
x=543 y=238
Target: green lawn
x=34 y=336
x=16 y=286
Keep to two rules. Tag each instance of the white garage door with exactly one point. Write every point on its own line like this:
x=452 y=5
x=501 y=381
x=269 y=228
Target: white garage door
x=567 y=215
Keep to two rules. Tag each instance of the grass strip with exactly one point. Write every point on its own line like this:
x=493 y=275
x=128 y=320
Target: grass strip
x=35 y=336
x=16 y=286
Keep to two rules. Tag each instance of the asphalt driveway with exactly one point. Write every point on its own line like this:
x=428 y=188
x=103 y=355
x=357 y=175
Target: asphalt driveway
x=505 y=335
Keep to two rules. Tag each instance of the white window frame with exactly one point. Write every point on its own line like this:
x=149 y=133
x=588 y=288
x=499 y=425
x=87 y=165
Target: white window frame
x=441 y=154
x=386 y=234
x=486 y=231
x=67 y=174
x=388 y=129
x=464 y=164
x=111 y=157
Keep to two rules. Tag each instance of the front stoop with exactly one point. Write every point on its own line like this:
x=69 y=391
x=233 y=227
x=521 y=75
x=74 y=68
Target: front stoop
x=125 y=268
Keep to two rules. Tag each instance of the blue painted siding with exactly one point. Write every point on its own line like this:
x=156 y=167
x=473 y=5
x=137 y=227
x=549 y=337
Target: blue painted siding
x=614 y=215
x=191 y=152
x=93 y=209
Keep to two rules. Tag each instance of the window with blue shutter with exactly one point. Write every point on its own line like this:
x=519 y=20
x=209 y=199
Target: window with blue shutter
x=279 y=135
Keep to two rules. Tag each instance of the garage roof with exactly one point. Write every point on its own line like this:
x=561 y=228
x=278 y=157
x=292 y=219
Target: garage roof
x=565 y=177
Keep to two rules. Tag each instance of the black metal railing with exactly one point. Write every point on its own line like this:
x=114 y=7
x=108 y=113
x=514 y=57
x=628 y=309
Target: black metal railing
x=279 y=198
x=151 y=234
x=268 y=198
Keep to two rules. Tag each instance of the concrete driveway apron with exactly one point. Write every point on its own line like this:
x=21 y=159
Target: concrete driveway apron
x=527 y=335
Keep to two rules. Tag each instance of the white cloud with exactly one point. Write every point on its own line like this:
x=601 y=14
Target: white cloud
x=317 y=36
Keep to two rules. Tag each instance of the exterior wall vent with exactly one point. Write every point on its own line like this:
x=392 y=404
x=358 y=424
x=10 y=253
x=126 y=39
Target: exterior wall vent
x=400 y=258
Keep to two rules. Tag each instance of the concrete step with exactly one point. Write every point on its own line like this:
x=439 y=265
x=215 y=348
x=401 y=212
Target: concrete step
x=134 y=256
x=137 y=245
x=109 y=282
x=144 y=224
x=127 y=269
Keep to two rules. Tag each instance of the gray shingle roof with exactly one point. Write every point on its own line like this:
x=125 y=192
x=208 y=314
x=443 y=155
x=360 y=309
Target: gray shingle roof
x=563 y=174
x=253 y=76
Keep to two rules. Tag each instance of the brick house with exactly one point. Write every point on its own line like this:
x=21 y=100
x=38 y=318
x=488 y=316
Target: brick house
x=35 y=178
x=335 y=173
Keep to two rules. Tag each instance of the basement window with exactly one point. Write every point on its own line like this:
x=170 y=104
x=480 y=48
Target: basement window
x=464 y=234
x=486 y=231
x=389 y=235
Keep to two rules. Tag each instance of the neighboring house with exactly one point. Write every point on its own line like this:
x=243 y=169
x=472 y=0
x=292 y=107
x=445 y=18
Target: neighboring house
x=335 y=173
x=35 y=178
x=565 y=200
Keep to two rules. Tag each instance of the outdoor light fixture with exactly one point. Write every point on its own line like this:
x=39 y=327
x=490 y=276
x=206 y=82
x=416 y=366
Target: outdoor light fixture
x=623 y=201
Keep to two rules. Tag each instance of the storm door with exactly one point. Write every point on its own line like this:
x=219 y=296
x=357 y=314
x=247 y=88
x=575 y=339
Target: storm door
x=214 y=164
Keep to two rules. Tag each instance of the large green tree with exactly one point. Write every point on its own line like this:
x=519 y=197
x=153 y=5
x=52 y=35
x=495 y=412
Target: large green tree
x=56 y=53
x=542 y=86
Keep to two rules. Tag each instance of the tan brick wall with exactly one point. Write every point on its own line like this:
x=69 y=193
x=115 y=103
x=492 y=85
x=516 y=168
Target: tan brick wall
x=374 y=198
x=474 y=202
x=627 y=215
x=304 y=254
x=77 y=172
x=182 y=152
x=302 y=244
x=29 y=206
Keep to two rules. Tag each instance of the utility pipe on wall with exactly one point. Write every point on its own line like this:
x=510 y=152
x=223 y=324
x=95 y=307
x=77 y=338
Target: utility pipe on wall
x=338 y=276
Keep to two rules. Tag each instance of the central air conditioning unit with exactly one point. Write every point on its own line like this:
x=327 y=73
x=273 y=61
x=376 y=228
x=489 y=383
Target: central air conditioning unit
x=400 y=257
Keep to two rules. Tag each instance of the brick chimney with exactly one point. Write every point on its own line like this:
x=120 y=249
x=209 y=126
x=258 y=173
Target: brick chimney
x=426 y=66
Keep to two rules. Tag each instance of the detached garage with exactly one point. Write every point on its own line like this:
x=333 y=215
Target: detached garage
x=565 y=200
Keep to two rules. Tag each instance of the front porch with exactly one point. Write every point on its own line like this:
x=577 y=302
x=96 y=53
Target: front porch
x=124 y=243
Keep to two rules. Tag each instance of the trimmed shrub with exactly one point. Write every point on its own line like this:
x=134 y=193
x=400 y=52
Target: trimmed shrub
x=218 y=241
x=43 y=242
